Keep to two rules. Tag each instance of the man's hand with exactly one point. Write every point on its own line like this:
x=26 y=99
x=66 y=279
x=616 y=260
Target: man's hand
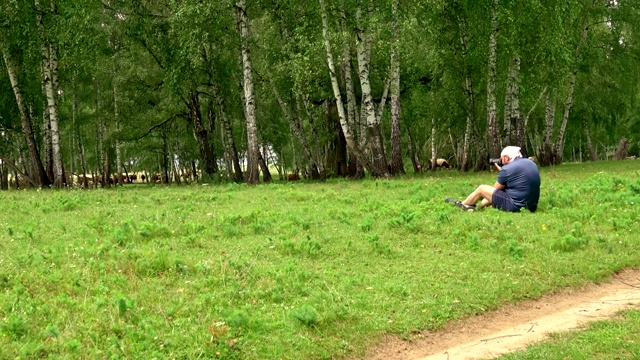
x=497 y=166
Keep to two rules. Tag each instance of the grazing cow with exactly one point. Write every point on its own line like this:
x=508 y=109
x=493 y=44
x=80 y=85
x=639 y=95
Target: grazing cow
x=443 y=164
x=293 y=177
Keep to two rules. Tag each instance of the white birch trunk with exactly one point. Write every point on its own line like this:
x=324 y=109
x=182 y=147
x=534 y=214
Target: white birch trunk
x=352 y=115
x=346 y=129
x=353 y=118
x=592 y=151
x=37 y=173
x=253 y=152
x=516 y=129
x=50 y=75
x=468 y=88
x=368 y=109
x=508 y=97
x=434 y=156
x=76 y=135
x=116 y=117
x=492 y=126
x=397 y=163
x=547 y=155
x=565 y=118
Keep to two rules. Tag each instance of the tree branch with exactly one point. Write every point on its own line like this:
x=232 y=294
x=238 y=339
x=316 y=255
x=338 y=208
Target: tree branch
x=153 y=128
x=15 y=167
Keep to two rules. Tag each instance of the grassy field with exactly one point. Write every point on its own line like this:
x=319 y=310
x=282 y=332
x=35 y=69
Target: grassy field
x=293 y=270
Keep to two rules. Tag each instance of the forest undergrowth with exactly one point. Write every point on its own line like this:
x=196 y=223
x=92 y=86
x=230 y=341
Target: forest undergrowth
x=295 y=270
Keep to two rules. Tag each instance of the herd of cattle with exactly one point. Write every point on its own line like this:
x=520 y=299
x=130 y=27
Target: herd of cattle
x=134 y=178
x=95 y=180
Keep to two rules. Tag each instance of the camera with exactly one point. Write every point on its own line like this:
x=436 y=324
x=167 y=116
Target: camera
x=496 y=161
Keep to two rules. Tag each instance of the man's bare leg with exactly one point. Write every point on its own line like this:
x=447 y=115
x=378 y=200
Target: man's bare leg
x=482 y=192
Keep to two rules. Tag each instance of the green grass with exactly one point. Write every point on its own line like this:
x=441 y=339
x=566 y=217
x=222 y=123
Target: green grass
x=292 y=271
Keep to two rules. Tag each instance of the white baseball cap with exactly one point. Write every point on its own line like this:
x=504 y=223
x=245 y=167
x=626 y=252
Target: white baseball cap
x=513 y=152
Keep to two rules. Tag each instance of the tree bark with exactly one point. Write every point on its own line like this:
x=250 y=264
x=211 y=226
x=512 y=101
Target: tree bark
x=102 y=146
x=434 y=155
x=525 y=120
x=397 y=163
x=417 y=168
x=201 y=134
x=15 y=168
x=465 y=162
x=116 y=118
x=50 y=75
x=559 y=149
x=296 y=128
x=492 y=126
x=83 y=162
x=212 y=117
x=547 y=156
x=379 y=165
x=47 y=144
x=565 y=118
x=516 y=128
x=346 y=129
x=319 y=155
x=253 y=152
x=356 y=169
x=229 y=140
x=592 y=150
x=266 y=174
x=623 y=149
x=165 y=155
x=106 y=159
x=36 y=172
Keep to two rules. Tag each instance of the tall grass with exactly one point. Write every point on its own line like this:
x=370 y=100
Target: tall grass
x=292 y=270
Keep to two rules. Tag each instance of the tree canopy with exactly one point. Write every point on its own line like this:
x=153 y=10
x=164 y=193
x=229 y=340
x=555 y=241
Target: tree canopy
x=186 y=89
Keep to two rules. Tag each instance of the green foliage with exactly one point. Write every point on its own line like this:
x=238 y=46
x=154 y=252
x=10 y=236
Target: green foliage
x=15 y=327
x=306 y=314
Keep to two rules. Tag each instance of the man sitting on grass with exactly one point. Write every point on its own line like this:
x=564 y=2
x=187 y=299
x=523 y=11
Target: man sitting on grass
x=517 y=186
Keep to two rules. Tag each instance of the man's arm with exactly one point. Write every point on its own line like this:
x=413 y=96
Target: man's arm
x=499 y=186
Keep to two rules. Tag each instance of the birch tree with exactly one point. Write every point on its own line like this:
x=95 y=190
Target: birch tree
x=253 y=152
x=353 y=117
x=492 y=122
x=50 y=81
x=37 y=171
x=353 y=147
x=374 y=136
x=397 y=163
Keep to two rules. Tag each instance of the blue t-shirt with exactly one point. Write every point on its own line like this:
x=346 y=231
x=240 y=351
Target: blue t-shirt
x=521 y=179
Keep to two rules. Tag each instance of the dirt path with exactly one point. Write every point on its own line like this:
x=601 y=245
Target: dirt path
x=513 y=327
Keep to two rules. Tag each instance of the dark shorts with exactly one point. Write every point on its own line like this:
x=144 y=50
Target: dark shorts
x=500 y=200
